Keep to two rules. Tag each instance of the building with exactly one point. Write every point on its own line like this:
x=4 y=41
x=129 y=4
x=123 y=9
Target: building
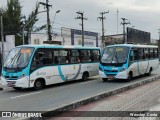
x=9 y=43
x=68 y=37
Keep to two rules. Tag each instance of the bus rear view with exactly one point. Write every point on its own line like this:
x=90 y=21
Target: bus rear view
x=114 y=63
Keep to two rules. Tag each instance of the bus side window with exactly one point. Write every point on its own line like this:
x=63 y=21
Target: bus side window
x=146 y=53
x=135 y=55
x=47 y=58
x=131 y=57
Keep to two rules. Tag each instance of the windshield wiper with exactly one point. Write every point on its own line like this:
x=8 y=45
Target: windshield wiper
x=12 y=59
x=108 y=57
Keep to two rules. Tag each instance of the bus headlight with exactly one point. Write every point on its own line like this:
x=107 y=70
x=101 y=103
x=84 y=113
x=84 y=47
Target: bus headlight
x=23 y=75
x=123 y=69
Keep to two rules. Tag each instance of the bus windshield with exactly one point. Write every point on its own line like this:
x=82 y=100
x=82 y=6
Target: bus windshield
x=115 y=55
x=18 y=58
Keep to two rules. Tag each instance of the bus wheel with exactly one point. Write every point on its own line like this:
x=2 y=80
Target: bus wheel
x=85 y=76
x=150 y=71
x=105 y=79
x=38 y=85
x=129 y=77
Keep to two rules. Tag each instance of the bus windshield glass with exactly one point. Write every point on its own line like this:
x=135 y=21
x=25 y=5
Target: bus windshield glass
x=18 y=58
x=115 y=55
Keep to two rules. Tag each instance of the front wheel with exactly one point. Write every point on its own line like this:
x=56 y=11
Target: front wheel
x=38 y=85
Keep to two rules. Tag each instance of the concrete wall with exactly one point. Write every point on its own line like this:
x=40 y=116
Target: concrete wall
x=8 y=44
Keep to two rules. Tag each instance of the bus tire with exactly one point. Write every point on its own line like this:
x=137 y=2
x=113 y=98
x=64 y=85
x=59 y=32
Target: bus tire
x=130 y=76
x=150 y=72
x=85 y=76
x=39 y=84
x=105 y=79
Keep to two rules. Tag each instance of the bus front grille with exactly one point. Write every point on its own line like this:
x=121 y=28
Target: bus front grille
x=11 y=77
x=111 y=70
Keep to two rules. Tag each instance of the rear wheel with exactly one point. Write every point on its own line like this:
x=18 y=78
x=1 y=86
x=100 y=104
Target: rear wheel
x=105 y=79
x=85 y=76
x=38 y=85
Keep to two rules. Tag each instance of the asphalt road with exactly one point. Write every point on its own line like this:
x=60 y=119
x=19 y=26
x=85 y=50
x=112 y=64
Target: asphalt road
x=58 y=95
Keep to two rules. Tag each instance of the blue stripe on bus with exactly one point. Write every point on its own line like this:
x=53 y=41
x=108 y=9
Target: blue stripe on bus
x=60 y=73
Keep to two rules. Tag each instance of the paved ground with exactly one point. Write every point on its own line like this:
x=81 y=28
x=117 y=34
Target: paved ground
x=143 y=98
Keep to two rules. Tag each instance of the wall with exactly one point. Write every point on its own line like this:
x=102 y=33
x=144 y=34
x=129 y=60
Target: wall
x=8 y=45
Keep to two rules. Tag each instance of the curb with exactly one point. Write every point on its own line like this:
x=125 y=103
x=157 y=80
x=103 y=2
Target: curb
x=55 y=111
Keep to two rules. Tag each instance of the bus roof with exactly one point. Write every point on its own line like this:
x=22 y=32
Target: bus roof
x=58 y=46
x=134 y=45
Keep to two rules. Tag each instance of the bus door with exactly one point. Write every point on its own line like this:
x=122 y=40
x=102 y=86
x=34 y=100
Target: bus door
x=143 y=63
x=133 y=62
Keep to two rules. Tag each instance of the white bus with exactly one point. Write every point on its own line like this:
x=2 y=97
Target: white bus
x=39 y=65
x=125 y=61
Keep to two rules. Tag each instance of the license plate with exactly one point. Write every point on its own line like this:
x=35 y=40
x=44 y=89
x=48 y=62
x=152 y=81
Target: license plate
x=110 y=77
x=10 y=84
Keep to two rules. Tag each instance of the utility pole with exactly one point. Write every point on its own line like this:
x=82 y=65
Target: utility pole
x=117 y=20
x=124 y=23
x=48 y=19
x=159 y=40
x=102 y=18
x=2 y=37
x=82 y=18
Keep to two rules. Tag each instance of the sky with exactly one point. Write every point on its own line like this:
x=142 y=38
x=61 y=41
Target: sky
x=143 y=14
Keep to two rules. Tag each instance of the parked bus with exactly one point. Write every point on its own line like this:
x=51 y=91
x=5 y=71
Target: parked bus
x=38 y=65
x=125 y=61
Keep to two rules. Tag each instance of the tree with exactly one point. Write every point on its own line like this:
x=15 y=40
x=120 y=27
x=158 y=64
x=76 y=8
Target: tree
x=12 y=15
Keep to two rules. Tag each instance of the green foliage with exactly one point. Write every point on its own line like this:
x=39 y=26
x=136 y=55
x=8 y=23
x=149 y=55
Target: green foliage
x=12 y=17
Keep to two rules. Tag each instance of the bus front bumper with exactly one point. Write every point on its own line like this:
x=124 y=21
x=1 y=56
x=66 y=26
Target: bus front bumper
x=120 y=75
x=23 y=82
